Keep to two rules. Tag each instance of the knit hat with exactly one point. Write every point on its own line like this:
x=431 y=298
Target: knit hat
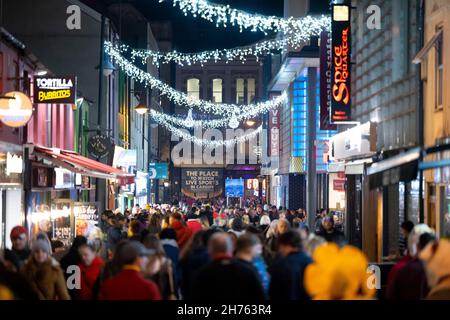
x=17 y=231
x=41 y=245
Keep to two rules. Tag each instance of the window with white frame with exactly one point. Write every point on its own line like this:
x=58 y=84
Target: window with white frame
x=193 y=88
x=240 y=91
x=217 y=89
x=251 y=90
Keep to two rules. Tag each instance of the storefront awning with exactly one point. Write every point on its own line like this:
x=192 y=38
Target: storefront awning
x=403 y=167
x=77 y=163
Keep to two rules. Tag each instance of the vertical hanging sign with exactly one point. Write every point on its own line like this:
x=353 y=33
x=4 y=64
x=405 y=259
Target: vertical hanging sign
x=340 y=64
x=325 y=82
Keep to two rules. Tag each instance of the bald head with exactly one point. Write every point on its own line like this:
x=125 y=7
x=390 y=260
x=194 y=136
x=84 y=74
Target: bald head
x=220 y=244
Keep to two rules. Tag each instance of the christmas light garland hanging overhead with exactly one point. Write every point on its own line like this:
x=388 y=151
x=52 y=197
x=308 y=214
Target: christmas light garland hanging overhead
x=224 y=15
x=203 y=142
x=262 y=48
x=180 y=98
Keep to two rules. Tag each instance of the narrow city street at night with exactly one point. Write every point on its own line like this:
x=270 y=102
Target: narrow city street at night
x=224 y=158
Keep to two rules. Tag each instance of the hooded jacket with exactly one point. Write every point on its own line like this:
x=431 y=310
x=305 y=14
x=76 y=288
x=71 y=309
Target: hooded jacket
x=183 y=233
x=89 y=276
x=47 y=280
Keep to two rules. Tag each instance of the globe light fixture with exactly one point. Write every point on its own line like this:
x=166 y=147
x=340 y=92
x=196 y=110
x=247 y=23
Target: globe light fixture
x=141 y=109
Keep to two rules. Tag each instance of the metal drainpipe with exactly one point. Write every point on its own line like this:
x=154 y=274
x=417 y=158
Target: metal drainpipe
x=420 y=104
x=100 y=91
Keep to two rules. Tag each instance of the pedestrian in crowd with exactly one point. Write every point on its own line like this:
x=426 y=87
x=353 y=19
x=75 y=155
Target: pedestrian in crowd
x=248 y=253
x=237 y=227
x=169 y=243
x=311 y=243
x=264 y=223
x=155 y=224
x=90 y=267
x=134 y=231
x=253 y=217
x=288 y=269
x=44 y=273
x=238 y=283
x=72 y=258
x=320 y=216
x=129 y=283
x=405 y=229
x=278 y=227
x=160 y=269
x=15 y=282
x=193 y=222
x=274 y=214
x=329 y=232
x=192 y=258
x=436 y=258
x=115 y=233
x=19 y=252
x=338 y=274
x=183 y=232
x=104 y=222
x=204 y=222
x=410 y=282
x=398 y=276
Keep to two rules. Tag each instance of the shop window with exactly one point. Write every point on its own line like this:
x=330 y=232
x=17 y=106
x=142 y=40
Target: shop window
x=251 y=90
x=193 y=88
x=217 y=90
x=240 y=91
x=439 y=73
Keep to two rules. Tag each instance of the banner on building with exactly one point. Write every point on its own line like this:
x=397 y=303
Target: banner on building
x=340 y=64
x=55 y=90
x=325 y=82
x=158 y=170
x=274 y=132
x=199 y=180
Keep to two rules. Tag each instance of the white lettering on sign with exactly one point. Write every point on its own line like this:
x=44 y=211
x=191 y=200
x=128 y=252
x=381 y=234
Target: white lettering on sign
x=54 y=83
x=73 y=22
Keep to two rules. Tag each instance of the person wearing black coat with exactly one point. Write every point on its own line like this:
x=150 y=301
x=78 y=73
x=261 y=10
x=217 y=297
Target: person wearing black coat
x=329 y=232
x=236 y=282
x=288 y=269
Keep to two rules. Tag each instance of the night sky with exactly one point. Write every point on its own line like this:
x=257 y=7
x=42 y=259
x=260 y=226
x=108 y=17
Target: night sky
x=196 y=34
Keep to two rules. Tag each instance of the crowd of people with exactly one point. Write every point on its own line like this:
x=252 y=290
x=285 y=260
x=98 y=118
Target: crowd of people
x=210 y=252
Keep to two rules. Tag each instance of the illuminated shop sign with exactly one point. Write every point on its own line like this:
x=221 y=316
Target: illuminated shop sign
x=55 y=90
x=340 y=65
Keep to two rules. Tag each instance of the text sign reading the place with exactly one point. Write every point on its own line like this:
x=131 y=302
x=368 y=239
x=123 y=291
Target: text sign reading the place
x=201 y=180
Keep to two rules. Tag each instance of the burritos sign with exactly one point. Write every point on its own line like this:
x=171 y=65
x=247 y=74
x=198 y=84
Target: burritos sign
x=55 y=90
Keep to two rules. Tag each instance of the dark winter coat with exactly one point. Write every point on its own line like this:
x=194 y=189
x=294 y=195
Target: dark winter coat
x=227 y=280
x=287 y=277
x=409 y=283
x=190 y=266
x=17 y=257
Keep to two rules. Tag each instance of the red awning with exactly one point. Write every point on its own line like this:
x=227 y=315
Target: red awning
x=88 y=166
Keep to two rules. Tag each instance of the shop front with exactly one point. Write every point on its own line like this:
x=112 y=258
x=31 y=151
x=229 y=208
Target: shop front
x=436 y=168
x=126 y=160
x=57 y=178
x=348 y=188
x=11 y=210
x=395 y=180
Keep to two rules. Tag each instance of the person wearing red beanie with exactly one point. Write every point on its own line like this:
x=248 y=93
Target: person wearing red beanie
x=19 y=252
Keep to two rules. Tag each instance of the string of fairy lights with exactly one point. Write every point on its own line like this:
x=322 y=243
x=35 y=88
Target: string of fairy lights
x=296 y=33
x=182 y=99
x=224 y=16
x=263 y=48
